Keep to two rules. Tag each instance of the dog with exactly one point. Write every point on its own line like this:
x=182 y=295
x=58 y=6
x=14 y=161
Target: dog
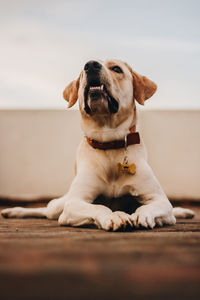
x=111 y=159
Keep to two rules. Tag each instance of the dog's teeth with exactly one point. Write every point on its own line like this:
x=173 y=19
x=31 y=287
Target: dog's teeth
x=95 y=87
x=101 y=87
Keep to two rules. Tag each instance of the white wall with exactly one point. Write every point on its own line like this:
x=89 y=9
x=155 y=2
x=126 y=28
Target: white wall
x=38 y=147
x=37 y=152
x=173 y=142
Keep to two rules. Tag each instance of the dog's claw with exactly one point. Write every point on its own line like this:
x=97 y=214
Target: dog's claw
x=114 y=221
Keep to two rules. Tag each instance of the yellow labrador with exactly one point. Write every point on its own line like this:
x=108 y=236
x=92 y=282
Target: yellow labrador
x=111 y=159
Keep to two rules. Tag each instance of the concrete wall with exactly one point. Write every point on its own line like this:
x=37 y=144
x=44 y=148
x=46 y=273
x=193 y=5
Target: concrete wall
x=38 y=147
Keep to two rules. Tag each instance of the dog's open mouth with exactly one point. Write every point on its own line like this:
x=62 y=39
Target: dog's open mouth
x=97 y=99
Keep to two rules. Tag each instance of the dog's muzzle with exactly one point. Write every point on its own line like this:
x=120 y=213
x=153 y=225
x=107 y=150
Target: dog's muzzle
x=96 y=89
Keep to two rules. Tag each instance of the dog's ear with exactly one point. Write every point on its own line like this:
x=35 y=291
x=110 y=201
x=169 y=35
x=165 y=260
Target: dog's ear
x=71 y=92
x=143 y=88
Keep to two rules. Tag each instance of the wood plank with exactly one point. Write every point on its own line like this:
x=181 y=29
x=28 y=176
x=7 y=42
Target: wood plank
x=39 y=259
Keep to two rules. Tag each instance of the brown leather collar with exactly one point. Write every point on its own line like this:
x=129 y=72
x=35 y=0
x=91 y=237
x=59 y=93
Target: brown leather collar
x=132 y=139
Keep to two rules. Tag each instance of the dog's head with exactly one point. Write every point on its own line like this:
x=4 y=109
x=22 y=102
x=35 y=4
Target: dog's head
x=107 y=89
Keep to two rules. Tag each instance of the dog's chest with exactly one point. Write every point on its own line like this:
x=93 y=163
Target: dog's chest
x=119 y=187
x=118 y=183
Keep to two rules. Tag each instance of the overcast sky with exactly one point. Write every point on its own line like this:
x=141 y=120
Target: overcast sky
x=44 y=45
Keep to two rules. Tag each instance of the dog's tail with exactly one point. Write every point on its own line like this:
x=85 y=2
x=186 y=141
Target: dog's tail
x=183 y=213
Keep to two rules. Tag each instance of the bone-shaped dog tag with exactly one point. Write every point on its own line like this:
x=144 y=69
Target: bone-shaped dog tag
x=126 y=168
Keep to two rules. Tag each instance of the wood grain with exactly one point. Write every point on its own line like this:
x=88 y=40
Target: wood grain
x=41 y=260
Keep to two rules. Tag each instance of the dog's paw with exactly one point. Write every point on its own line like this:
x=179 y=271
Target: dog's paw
x=141 y=219
x=15 y=212
x=113 y=221
x=183 y=213
x=145 y=217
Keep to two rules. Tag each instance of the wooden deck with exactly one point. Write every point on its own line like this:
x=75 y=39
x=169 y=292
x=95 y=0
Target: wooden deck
x=41 y=260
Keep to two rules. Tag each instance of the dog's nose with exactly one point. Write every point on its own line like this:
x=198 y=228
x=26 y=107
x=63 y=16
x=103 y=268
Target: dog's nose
x=92 y=66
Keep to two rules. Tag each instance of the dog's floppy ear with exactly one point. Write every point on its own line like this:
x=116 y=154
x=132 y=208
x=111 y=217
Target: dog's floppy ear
x=71 y=92
x=143 y=88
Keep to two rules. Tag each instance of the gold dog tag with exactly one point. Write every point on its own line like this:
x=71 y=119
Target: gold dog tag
x=126 y=168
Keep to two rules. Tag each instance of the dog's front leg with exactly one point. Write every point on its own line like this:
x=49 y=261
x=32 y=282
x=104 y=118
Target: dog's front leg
x=79 y=210
x=154 y=211
x=156 y=208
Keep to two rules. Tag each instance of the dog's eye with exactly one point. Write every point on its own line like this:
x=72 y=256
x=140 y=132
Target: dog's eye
x=116 y=69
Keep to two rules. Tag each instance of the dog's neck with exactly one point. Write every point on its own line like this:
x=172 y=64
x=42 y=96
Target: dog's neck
x=107 y=133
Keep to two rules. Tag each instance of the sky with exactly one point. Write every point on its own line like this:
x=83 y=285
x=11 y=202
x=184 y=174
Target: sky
x=45 y=44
